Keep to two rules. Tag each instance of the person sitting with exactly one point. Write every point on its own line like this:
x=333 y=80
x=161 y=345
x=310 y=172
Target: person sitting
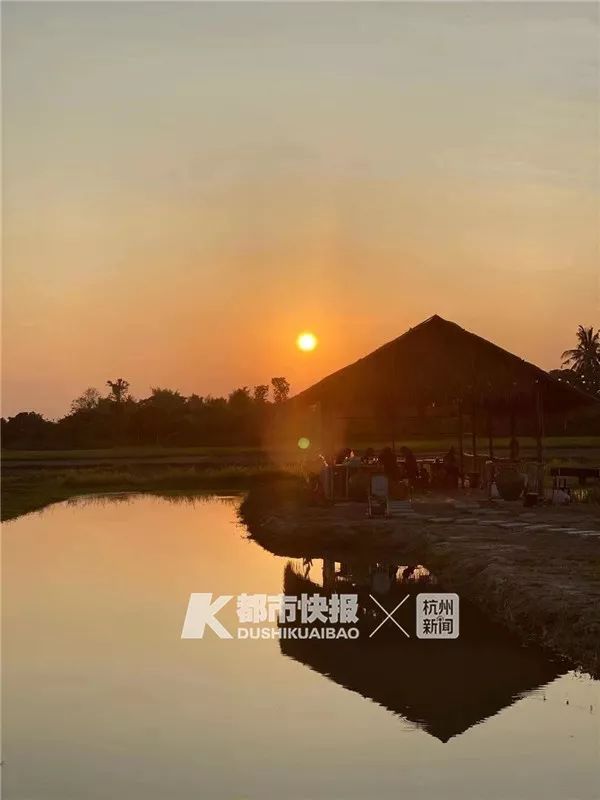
x=410 y=464
x=387 y=459
x=343 y=455
x=354 y=458
x=438 y=474
x=369 y=456
x=424 y=480
x=317 y=475
x=450 y=458
x=451 y=467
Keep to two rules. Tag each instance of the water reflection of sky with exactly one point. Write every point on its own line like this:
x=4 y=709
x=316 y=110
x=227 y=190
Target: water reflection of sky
x=102 y=699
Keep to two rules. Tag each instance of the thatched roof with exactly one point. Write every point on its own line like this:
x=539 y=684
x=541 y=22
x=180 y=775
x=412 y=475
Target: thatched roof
x=443 y=687
x=438 y=363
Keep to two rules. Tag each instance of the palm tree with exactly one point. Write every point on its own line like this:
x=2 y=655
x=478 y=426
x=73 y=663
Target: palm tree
x=584 y=359
x=118 y=390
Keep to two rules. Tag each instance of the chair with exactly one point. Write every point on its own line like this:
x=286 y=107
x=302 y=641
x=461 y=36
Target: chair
x=560 y=489
x=379 y=496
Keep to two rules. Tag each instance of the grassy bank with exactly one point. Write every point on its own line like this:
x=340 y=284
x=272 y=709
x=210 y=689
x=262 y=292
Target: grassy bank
x=542 y=585
x=30 y=490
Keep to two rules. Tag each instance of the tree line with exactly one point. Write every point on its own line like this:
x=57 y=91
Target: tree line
x=168 y=418
x=165 y=418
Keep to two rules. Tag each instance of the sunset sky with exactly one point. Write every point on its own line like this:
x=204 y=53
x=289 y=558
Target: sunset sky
x=189 y=186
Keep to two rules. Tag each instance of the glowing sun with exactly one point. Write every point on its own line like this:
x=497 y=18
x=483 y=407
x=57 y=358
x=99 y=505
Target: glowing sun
x=306 y=342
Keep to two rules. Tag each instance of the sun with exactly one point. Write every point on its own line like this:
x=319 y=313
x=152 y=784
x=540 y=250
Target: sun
x=306 y=341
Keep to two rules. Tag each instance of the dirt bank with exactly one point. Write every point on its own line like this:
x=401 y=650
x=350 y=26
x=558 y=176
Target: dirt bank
x=535 y=571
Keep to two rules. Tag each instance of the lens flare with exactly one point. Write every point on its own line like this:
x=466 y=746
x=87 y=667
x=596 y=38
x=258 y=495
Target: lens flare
x=303 y=443
x=306 y=341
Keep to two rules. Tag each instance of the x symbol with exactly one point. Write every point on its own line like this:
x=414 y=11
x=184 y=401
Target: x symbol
x=389 y=615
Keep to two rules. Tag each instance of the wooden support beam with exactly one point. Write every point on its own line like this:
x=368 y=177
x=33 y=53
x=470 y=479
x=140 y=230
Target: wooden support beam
x=474 y=436
x=461 y=455
x=513 y=421
x=514 y=443
x=539 y=437
x=328 y=435
x=490 y=425
x=539 y=413
x=328 y=573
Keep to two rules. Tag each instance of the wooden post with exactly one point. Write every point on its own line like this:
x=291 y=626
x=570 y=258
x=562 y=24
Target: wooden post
x=461 y=455
x=327 y=419
x=539 y=411
x=474 y=436
x=328 y=573
x=332 y=475
x=514 y=443
x=320 y=431
x=490 y=422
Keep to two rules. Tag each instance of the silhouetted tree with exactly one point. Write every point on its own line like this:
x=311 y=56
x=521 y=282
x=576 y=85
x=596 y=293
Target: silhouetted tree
x=281 y=389
x=160 y=417
x=118 y=390
x=239 y=398
x=27 y=429
x=166 y=398
x=86 y=401
x=195 y=403
x=584 y=359
x=261 y=393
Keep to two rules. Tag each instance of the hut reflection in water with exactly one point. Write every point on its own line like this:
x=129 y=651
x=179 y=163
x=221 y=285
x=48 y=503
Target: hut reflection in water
x=445 y=686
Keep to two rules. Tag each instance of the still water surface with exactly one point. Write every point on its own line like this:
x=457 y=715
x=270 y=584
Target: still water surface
x=103 y=700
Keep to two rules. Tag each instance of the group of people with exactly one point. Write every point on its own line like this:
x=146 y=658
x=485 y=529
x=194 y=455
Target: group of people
x=444 y=471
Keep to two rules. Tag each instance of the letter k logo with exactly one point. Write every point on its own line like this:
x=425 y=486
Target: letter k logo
x=201 y=612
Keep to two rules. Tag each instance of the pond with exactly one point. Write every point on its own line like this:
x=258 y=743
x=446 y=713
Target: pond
x=103 y=699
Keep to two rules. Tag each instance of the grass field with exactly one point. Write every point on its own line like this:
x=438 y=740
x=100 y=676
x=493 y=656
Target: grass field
x=528 y=444
x=120 y=453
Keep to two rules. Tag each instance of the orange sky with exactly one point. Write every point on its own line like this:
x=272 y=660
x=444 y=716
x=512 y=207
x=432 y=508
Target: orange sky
x=188 y=186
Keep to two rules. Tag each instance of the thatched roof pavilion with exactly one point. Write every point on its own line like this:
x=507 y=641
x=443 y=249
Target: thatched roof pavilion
x=441 y=367
x=439 y=363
